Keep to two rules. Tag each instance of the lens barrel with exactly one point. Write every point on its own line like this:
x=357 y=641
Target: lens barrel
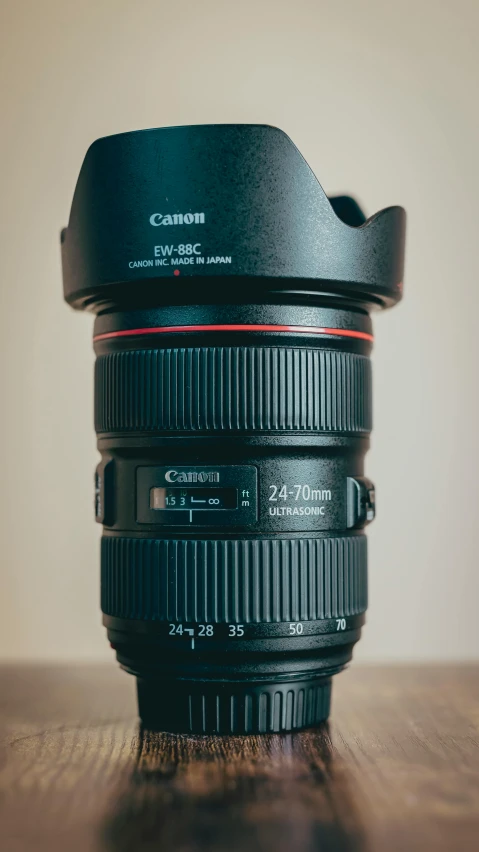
x=237 y=594
x=232 y=421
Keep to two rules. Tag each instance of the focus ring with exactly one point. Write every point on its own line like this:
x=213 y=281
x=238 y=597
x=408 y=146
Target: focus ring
x=233 y=388
x=238 y=581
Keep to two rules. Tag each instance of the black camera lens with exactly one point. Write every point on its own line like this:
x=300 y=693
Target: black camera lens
x=233 y=413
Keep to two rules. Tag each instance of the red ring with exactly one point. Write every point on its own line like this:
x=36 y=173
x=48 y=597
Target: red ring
x=304 y=329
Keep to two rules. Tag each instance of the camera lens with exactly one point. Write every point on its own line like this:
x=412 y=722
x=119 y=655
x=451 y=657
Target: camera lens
x=233 y=412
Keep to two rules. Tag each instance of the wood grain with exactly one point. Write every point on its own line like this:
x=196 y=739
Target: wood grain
x=397 y=769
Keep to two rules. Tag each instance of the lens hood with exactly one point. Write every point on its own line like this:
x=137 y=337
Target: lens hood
x=219 y=208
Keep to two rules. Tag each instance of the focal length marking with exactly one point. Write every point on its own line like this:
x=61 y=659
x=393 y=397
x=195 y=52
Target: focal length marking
x=180 y=633
x=190 y=631
x=303 y=492
x=246 y=631
x=299 y=493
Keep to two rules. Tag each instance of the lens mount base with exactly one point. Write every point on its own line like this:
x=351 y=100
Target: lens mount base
x=219 y=707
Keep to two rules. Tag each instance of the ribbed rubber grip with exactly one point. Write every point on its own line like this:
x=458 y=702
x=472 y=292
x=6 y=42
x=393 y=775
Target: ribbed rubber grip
x=233 y=388
x=220 y=708
x=241 y=581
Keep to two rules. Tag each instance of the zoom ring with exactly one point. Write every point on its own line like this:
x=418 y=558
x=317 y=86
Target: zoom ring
x=233 y=388
x=237 y=581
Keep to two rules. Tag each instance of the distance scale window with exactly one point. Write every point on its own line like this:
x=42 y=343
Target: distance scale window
x=199 y=499
x=197 y=496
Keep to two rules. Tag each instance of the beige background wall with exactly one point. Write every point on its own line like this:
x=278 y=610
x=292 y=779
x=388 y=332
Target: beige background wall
x=382 y=99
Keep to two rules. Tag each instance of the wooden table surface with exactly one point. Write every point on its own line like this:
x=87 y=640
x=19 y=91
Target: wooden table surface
x=397 y=769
